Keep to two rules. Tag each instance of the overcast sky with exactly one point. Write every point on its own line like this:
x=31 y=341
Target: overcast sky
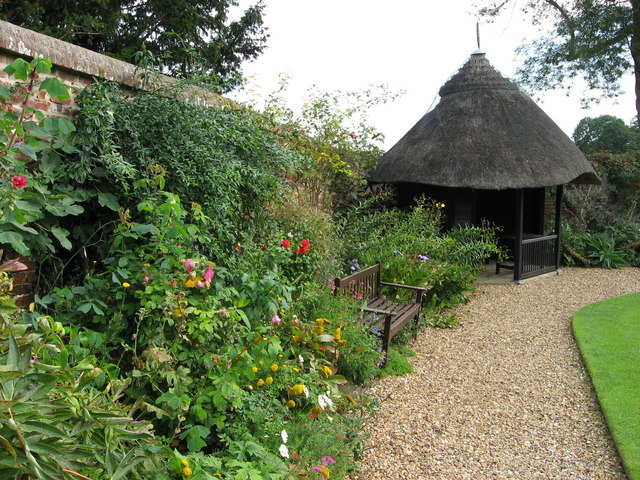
x=411 y=45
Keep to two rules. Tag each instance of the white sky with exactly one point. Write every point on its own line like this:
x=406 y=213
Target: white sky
x=412 y=45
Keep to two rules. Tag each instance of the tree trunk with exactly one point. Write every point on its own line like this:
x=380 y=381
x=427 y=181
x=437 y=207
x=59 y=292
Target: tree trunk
x=635 y=54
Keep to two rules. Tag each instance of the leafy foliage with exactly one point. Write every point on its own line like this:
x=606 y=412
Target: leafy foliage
x=605 y=133
x=413 y=250
x=331 y=130
x=34 y=189
x=594 y=39
x=218 y=158
x=54 y=422
x=191 y=37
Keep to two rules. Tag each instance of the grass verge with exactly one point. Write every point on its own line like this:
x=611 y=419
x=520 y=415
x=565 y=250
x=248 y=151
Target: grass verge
x=608 y=335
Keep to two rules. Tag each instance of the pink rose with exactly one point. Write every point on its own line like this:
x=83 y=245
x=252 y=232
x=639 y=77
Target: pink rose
x=208 y=274
x=189 y=264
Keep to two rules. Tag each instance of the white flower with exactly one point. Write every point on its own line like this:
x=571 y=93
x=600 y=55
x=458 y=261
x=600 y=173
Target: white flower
x=290 y=235
x=284 y=436
x=324 y=401
x=301 y=358
x=306 y=392
x=284 y=451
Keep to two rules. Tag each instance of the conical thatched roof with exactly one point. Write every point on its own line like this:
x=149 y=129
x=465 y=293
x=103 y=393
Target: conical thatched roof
x=484 y=134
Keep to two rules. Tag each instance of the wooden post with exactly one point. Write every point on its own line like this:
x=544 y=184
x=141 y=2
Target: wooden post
x=517 y=244
x=558 y=226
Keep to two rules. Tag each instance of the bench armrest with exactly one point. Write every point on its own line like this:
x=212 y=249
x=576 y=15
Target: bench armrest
x=408 y=287
x=377 y=310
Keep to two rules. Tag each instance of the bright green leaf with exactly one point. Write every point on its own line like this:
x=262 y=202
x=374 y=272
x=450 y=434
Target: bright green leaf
x=55 y=88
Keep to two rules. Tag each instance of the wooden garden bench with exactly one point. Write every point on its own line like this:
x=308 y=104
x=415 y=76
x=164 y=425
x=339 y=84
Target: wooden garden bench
x=387 y=316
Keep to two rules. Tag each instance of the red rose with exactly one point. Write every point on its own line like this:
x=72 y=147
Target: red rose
x=19 y=182
x=286 y=243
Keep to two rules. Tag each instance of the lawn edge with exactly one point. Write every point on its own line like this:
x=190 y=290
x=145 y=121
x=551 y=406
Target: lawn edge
x=588 y=368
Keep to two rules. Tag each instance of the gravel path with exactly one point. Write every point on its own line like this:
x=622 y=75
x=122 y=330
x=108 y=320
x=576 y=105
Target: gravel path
x=502 y=396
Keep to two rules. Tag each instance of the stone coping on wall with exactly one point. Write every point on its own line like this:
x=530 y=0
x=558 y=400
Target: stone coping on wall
x=22 y=42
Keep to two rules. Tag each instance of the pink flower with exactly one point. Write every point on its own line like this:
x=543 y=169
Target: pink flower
x=201 y=284
x=19 y=182
x=208 y=275
x=276 y=320
x=223 y=313
x=327 y=460
x=146 y=279
x=189 y=263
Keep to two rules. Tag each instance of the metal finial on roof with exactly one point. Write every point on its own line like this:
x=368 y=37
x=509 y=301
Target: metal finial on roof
x=478 y=33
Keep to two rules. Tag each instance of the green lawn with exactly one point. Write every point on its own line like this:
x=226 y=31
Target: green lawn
x=608 y=335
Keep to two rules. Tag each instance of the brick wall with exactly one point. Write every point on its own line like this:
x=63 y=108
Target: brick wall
x=77 y=68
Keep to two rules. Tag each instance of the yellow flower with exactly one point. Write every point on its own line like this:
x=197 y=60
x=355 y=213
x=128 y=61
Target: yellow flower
x=297 y=370
x=282 y=310
x=291 y=404
x=274 y=367
x=337 y=335
x=265 y=338
x=326 y=371
x=191 y=283
x=254 y=369
x=260 y=362
x=184 y=462
x=268 y=380
x=260 y=382
x=318 y=329
x=351 y=399
x=244 y=352
x=320 y=321
x=296 y=390
x=187 y=472
x=315 y=411
x=279 y=299
x=126 y=285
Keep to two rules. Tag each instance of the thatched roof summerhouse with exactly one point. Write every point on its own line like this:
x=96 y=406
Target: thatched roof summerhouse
x=488 y=151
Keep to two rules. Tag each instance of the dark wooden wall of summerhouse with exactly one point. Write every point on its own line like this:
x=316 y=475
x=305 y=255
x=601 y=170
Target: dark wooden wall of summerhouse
x=466 y=206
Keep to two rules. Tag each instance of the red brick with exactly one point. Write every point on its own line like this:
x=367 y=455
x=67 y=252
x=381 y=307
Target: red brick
x=39 y=104
x=24 y=300
x=22 y=289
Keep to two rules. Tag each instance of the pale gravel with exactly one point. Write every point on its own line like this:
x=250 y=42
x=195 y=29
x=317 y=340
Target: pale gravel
x=504 y=395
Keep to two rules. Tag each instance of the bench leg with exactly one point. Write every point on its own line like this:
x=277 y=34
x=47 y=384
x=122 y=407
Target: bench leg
x=386 y=337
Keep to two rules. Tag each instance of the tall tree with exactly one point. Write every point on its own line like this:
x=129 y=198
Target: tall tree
x=605 y=133
x=598 y=40
x=189 y=36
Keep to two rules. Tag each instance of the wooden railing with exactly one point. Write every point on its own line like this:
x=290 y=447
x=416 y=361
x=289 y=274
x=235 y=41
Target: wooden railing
x=539 y=255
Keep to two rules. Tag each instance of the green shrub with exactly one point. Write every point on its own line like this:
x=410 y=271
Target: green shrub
x=219 y=158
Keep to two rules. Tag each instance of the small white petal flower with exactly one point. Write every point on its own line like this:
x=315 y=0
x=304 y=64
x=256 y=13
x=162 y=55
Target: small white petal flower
x=284 y=436
x=284 y=451
x=301 y=358
x=306 y=392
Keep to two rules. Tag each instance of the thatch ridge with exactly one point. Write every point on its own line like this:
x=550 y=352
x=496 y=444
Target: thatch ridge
x=484 y=134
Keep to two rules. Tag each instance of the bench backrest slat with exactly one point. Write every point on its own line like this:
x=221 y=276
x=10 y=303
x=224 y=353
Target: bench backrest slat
x=362 y=285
